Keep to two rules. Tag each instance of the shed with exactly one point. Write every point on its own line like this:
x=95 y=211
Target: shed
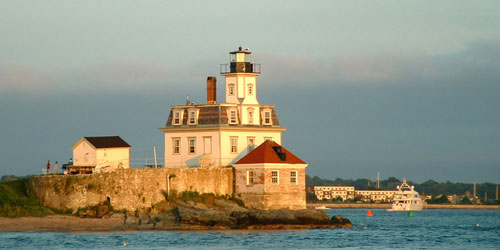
x=100 y=154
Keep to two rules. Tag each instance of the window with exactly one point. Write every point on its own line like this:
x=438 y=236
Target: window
x=250 y=177
x=192 y=117
x=267 y=117
x=232 y=116
x=275 y=176
x=250 y=115
x=192 y=145
x=176 y=144
x=293 y=177
x=231 y=89
x=250 y=89
x=234 y=144
x=177 y=118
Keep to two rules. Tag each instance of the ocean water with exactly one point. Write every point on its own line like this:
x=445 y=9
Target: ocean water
x=428 y=229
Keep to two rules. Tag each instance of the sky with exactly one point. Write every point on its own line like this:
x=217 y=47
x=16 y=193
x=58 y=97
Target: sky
x=410 y=89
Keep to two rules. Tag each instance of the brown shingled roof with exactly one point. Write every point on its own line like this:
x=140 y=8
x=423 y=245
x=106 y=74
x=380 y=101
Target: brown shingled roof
x=269 y=152
x=213 y=115
x=107 y=142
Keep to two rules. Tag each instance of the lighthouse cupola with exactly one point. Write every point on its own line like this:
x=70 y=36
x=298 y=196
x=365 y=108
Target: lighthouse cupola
x=240 y=74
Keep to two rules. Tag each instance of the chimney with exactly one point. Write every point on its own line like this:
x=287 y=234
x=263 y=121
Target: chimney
x=211 y=90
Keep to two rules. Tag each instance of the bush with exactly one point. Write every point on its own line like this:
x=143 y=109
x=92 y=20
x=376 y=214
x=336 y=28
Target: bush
x=17 y=199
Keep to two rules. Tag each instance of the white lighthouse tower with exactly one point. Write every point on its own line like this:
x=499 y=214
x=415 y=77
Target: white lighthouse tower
x=218 y=134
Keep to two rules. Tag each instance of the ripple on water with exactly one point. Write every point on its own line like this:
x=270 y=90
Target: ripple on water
x=428 y=229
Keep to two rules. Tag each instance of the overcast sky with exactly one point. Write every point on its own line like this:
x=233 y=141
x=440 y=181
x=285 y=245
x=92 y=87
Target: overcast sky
x=405 y=88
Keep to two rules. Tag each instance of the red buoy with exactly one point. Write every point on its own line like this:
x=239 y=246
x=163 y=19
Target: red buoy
x=369 y=213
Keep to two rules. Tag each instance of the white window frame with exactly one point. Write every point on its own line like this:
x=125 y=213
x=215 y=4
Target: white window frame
x=192 y=139
x=250 y=177
x=292 y=177
x=178 y=146
x=230 y=89
x=267 y=118
x=179 y=118
x=275 y=179
x=233 y=142
x=191 y=117
x=233 y=119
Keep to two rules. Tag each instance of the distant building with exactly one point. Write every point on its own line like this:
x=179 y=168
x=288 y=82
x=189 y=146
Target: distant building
x=332 y=192
x=271 y=177
x=219 y=134
x=375 y=195
x=99 y=154
x=349 y=192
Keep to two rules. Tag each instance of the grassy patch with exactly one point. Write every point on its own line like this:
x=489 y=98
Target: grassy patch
x=17 y=199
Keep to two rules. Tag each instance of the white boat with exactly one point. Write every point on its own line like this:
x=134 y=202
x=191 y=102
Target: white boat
x=406 y=199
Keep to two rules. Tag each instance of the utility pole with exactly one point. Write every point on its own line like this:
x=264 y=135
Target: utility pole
x=378 y=180
x=474 y=193
x=154 y=151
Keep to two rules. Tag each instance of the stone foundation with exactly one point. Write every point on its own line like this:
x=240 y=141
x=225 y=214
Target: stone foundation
x=129 y=189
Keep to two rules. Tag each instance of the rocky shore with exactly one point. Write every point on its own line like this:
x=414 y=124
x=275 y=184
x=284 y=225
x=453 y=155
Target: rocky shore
x=224 y=215
x=197 y=212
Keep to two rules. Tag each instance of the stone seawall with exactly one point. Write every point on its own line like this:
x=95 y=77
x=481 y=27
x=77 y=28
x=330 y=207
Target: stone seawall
x=129 y=188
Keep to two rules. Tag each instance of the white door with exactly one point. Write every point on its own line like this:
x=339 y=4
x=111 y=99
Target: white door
x=207 y=145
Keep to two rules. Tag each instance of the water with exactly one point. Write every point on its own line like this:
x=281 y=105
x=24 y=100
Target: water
x=428 y=229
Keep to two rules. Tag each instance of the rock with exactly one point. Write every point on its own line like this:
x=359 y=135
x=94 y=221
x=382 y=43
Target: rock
x=191 y=203
x=215 y=218
x=131 y=220
x=201 y=206
x=118 y=216
x=229 y=207
x=161 y=207
x=101 y=210
x=312 y=216
x=144 y=219
x=339 y=221
x=183 y=204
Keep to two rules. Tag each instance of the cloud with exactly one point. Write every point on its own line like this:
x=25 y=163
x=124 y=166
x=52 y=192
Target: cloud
x=119 y=76
x=22 y=79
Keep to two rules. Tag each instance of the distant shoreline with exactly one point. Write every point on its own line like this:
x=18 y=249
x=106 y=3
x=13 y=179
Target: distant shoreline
x=387 y=206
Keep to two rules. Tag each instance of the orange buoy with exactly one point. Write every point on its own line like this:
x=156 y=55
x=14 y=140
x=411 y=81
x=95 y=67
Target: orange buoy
x=369 y=213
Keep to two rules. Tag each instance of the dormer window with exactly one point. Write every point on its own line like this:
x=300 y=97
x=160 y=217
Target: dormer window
x=267 y=118
x=192 y=117
x=177 y=117
x=231 y=89
x=250 y=89
x=232 y=116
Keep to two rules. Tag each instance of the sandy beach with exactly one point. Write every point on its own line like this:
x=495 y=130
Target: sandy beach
x=60 y=223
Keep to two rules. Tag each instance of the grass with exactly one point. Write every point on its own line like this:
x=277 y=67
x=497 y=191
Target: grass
x=17 y=199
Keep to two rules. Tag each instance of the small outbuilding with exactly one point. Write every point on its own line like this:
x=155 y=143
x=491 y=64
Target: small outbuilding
x=271 y=177
x=100 y=154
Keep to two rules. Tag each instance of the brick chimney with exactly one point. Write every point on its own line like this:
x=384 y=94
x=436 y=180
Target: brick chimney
x=211 y=90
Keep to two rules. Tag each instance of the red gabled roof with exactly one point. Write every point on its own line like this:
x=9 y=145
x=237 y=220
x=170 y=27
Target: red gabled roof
x=267 y=152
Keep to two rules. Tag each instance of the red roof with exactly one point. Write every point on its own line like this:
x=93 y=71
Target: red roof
x=270 y=152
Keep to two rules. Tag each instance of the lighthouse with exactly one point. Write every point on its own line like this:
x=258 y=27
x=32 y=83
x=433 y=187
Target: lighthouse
x=217 y=134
